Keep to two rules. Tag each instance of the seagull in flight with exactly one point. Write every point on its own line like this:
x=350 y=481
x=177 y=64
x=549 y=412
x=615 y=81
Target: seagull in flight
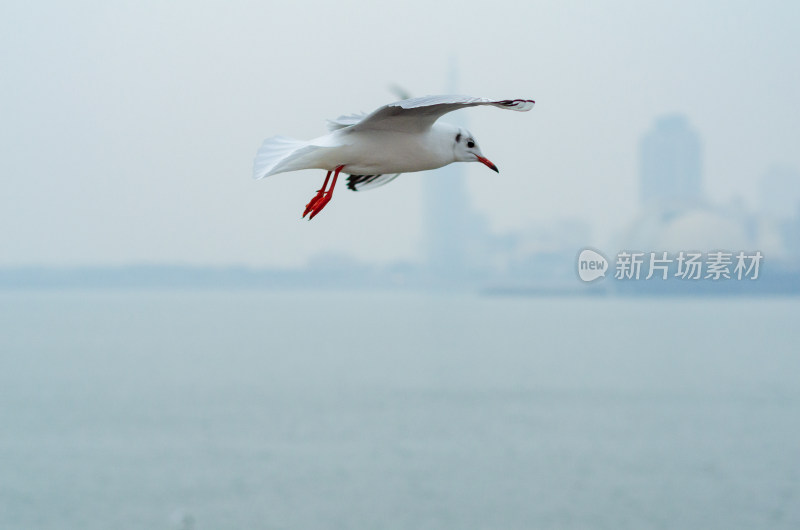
x=375 y=148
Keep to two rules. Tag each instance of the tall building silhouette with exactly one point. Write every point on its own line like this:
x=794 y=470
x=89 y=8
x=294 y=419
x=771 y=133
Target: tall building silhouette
x=446 y=214
x=670 y=158
x=675 y=214
x=455 y=234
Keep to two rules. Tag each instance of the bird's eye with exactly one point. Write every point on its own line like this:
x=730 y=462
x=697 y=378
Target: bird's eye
x=470 y=144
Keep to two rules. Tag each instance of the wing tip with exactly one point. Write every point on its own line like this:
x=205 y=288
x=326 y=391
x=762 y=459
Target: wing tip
x=520 y=105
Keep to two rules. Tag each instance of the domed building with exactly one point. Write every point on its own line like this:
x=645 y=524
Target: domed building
x=700 y=228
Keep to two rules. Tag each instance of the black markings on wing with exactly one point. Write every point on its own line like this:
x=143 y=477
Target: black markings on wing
x=355 y=181
x=365 y=182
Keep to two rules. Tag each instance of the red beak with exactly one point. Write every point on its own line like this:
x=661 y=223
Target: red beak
x=488 y=163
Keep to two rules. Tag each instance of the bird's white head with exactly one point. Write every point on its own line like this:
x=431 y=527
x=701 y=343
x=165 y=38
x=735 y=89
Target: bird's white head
x=466 y=149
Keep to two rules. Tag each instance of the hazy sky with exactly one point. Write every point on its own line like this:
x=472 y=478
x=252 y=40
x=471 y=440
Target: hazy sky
x=129 y=128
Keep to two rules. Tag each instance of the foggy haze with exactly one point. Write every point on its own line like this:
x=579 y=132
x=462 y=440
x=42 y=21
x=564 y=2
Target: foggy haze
x=129 y=129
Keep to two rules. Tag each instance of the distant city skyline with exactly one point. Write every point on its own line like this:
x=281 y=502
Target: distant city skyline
x=463 y=254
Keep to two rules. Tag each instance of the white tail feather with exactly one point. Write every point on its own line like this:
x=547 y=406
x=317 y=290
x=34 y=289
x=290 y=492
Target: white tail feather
x=279 y=154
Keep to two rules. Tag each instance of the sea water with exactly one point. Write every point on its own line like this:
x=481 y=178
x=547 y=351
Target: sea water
x=262 y=410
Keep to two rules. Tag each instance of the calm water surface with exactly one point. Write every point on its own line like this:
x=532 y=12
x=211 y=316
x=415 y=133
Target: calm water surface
x=296 y=411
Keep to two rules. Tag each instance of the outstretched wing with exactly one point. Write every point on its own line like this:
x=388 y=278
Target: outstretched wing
x=367 y=182
x=419 y=114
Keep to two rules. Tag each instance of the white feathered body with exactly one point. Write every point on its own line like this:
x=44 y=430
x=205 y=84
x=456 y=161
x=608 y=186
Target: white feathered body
x=361 y=152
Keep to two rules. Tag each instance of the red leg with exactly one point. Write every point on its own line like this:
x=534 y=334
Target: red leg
x=326 y=198
x=318 y=196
